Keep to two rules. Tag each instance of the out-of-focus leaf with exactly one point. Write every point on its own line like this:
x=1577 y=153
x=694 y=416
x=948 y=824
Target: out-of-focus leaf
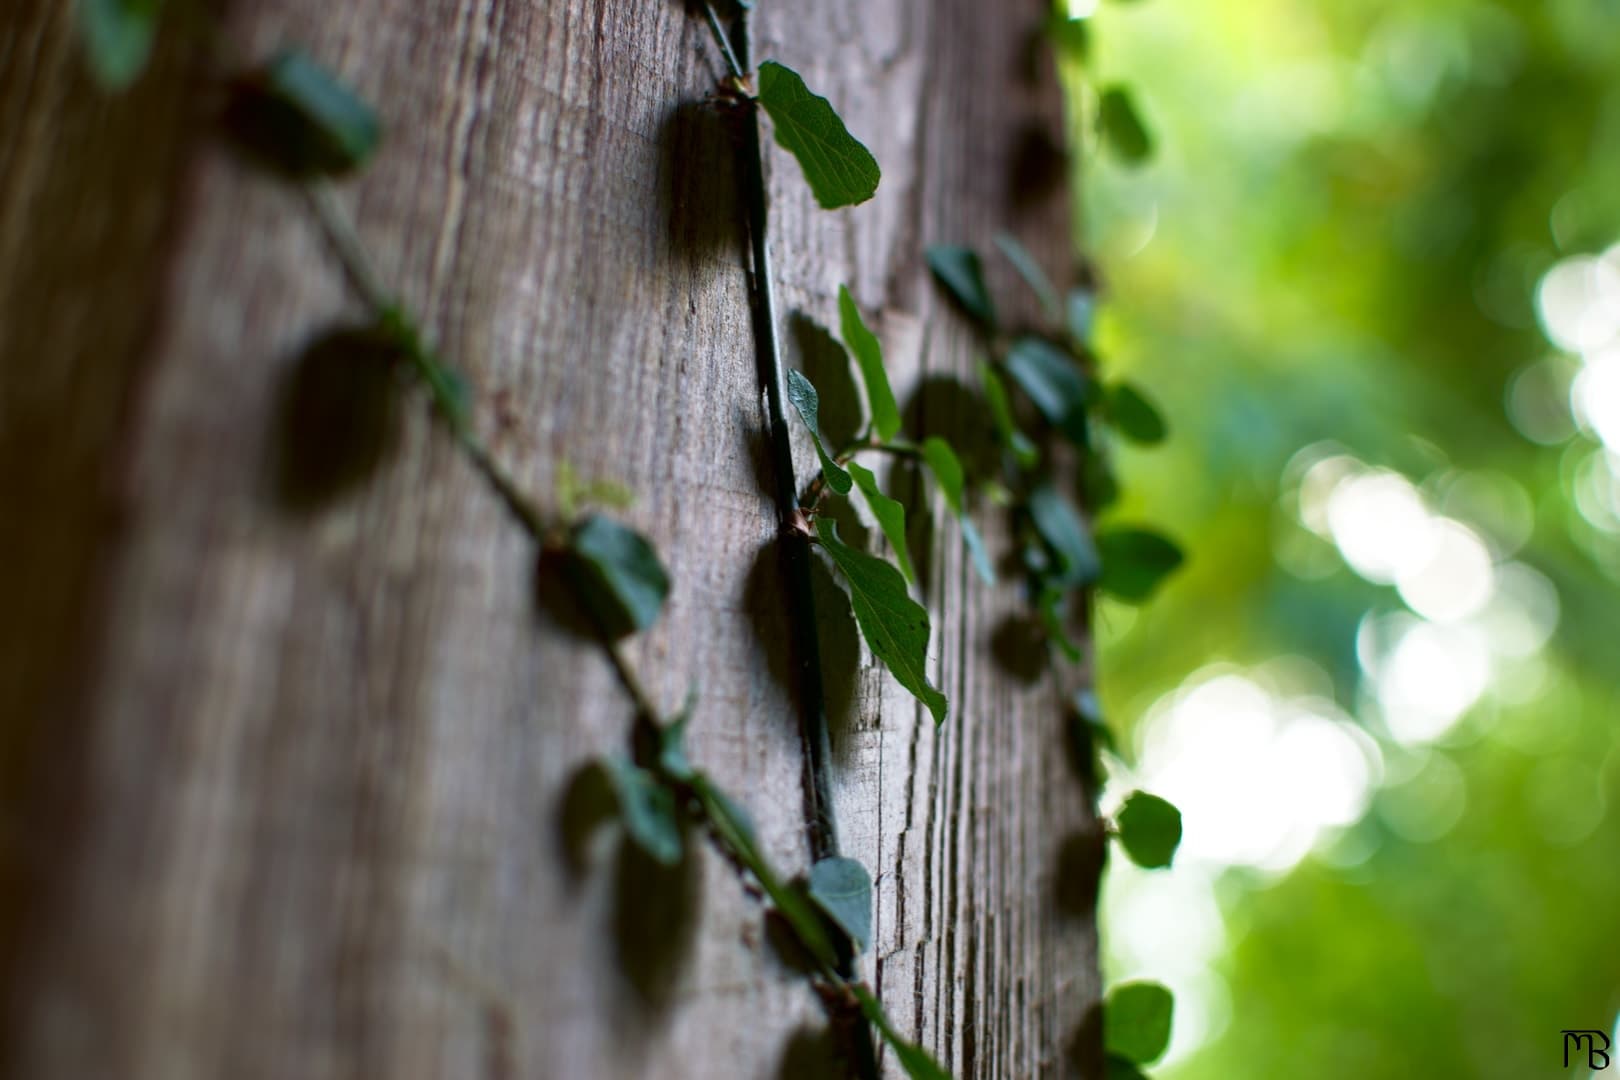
x=962 y=274
x=995 y=394
x=913 y=1058
x=647 y=808
x=890 y=514
x=1054 y=382
x=1135 y=561
x=1079 y=314
x=840 y=171
x=947 y=469
x=1117 y=1068
x=1070 y=37
x=843 y=889
x=1031 y=272
x=301 y=120
x=869 y=356
x=1136 y=1021
x=1065 y=534
x=1149 y=830
x=895 y=626
x=1137 y=418
x=808 y=403
x=118 y=36
x=1121 y=126
x=672 y=757
x=1054 y=608
x=620 y=577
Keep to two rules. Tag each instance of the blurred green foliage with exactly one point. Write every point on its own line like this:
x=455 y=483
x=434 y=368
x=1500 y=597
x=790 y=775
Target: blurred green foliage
x=1339 y=242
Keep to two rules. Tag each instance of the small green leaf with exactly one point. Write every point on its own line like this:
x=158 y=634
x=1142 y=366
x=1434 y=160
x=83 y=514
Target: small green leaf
x=869 y=355
x=995 y=394
x=1135 y=561
x=1054 y=607
x=1089 y=733
x=808 y=403
x=1054 y=382
x=1031 y=272
x=1121 y=126
x=947 y=469
x=895 y=626
x=1070 y=37
x=672 y=759
x=1065 y=535
x=1098 y=486
x=118 y=36
x=300 y=119
x=648 y=809
x=620 y=577
x=917 y=1062
x=890 y=514
x=1136 y=1021
x=1137 y=418
x=962 y=274
x=840 y=171
x=843 y=889
x=1150 y=830
x=1117 y=1068
x=1080 y=312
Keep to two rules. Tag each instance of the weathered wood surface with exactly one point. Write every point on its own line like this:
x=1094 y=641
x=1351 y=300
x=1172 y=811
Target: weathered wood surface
x=284 y=791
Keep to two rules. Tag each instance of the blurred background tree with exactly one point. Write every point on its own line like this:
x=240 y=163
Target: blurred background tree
x=1365 y=275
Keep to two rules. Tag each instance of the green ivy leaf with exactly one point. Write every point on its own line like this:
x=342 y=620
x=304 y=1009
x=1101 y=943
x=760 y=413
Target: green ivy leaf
x=1054 y=608
x=1136 y=1021
x=1150 y=830
x=1079 y=313
x=1135 y=561
x=1031 y=272
x=620 y=577
x=1137 y=418
x=1098 y=486
x=1065 y=535
x=1089 y=733
x=840 y=171
x=890 y=514
x=1117 y=1068
x=895 y=626
x=1001 y=414
x=959 y=270
x=869 y=355
x=672 y=759
x=1122 y=127
x=843 y=889
x=1054 y=382
x=301 y=120
x=917 y=1062
x=808 y=404
x=648 y=809
x=947 y=469
x=118 y=36
x=1070 y=37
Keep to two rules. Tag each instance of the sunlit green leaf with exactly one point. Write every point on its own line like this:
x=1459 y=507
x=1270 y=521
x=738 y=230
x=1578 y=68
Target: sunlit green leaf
x=1031 y=272
x=869 y=356
x=1122 y=128
x=118 y=36
x=962 y=274
x=917 y=1062
x=647 y=808
x=1136 y=1021
x=890 y=514
x=947 y=469
x=895 y=626
x=808 y=403
x=995 y=395
x=620 y=577
x=843 y=889
x=1135 y=561
x=1137 y=418
x=1054 y=382
x=301 y=120
x=1066 y=536
x=840 y=171
x=1149 y=830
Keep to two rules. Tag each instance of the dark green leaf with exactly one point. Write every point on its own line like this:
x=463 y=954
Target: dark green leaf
x=1135 y=561
x=962 y=274
x=1070 y=37
x=451 y=393
x=648 y=809
x=1054 y=606
x=913 y=1058
x=840 y=171
x=620 y=577
x=1089 y=734
x=1075 y=556
x=1098 y=486
x=118 y=36
x=1134 y=415
x=843 y=889
x=808 y=403
x=301 y=120
x=947 y=469
x=1031 y=272
x=1136 y=1021
x=995 y=394
x=894 y=625
x=1054 y=382
x=672 y=757
x=869 y=355
x=1118 y=1068
x=1150 y=830
x=890 y=514
x=1121 y=126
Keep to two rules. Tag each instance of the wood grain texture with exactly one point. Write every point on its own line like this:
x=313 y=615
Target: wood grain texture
x=285 y=791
